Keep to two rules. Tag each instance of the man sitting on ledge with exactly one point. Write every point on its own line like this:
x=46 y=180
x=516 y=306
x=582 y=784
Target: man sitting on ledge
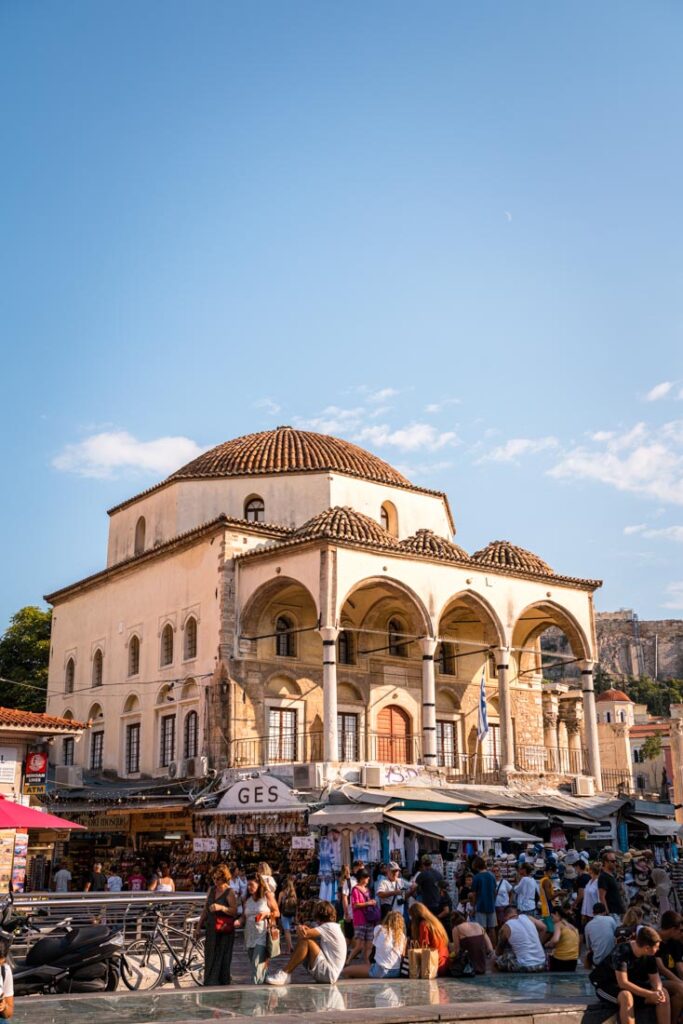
x=519 y=946
x=322 y=949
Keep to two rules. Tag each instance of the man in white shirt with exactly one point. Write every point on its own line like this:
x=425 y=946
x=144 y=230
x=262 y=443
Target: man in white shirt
x=322 y=950
x=6 y=982
x=599 y=936
x=61 y=880
x=391 y=890
x=526 y=890
x=502 y=891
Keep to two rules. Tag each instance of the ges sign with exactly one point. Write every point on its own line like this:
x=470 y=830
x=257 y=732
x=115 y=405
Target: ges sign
x=264 y=793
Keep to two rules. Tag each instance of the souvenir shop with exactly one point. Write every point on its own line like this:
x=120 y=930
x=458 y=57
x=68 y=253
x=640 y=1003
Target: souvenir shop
x=256 y=819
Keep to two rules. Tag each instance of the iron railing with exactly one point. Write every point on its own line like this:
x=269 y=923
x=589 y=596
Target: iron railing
x=305 y=748
x=555 y=760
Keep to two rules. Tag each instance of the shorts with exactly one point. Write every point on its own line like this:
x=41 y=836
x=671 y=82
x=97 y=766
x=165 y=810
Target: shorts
x=364 y=932
x=321 y=971
x=382 y=972
x=287 y=923
x=509 y=962
x=486 y=920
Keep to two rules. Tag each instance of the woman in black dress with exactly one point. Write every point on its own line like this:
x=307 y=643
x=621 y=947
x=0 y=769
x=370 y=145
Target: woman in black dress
x=221 y=906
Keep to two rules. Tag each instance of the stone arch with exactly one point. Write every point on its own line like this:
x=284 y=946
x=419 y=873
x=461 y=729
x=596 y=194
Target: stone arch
x=131 y=704
x=283 y=686
x=447 y=700
x=282 y=591
x=488 y=616
x=165 y=695
x=95 y=712
x=369 y=606
x=349 y=693
x=534 y=620
x=68 y=715
x=190 y=690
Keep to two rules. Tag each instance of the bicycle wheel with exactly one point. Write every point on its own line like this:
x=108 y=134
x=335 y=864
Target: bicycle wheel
x=142 y=966
x=189 y=969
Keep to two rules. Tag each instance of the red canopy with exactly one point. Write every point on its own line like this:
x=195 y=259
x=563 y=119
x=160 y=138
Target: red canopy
x=13 y=815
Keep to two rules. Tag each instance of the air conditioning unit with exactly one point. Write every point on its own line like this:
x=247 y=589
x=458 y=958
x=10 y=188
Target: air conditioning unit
x=371 y=776
x=197 y=767
x=583 y=785
x=307 y=776
x=70 y=775
x=177 y=770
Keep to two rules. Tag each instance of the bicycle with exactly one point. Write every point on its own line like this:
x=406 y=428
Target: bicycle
x=144 y=966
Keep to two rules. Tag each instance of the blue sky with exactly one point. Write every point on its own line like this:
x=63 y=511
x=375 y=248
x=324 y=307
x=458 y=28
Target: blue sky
x=449 y=231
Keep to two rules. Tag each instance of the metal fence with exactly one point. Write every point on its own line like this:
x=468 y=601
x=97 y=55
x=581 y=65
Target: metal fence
x=133 y=912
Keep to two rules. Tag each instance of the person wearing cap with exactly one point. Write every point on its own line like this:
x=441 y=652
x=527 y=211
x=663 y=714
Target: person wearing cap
x=391 y=890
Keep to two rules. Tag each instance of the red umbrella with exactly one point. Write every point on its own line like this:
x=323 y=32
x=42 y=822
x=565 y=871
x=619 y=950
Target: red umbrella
x=13 y=815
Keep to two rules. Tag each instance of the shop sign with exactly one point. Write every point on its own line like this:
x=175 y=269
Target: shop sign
x=201 y=845
x=103 y=822
x=8 y=764
x=160 y=820
x=265 y=793
x=303 y=842
x=35 y=772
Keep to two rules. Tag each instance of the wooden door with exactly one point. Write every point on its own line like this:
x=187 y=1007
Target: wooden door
x=393 y=736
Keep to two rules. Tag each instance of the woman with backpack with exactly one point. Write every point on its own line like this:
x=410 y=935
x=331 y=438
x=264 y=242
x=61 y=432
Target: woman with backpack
x=288 y=902
x=366 y=915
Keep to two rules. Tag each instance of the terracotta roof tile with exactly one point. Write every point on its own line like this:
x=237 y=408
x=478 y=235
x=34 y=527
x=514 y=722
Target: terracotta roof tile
x=343 y=523
x=16 y=719
x=614 y=695
x=426 y=542
x=503 y=554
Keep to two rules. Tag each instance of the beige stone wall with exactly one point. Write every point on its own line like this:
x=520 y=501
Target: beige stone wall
x=615 y=749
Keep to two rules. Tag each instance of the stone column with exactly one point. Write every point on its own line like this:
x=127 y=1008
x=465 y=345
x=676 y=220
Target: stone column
x=428 y=645
x=507 y=739
x=330 y=732
x=591 y=722
x=550 y=737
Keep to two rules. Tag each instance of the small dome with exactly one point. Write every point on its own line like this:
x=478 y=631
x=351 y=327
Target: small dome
x=287 y=450
x=501 y=554
x=426 y=542
x=346 y=524
x=613 y=695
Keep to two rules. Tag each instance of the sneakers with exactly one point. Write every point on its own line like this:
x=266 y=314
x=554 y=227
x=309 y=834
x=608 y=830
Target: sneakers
x=279 y=978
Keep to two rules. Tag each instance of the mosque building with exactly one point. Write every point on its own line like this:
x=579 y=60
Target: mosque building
x=288 y=599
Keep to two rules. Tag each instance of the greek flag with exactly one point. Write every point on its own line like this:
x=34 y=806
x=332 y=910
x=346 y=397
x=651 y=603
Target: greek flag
x=483 y=720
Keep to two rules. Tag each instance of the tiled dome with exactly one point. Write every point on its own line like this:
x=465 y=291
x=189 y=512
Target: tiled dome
x=426 y=542
x=346 y=524
x=501 y=554
x=614 y=695
x=287 y=450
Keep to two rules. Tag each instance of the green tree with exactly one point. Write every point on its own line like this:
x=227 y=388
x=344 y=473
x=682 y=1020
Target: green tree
x=651 y=748
x=24 y=657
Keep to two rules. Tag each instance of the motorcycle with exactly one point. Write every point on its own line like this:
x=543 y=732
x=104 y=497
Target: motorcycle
x=85 y=958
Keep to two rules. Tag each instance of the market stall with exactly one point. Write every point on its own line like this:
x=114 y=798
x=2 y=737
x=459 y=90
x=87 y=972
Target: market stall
x=23 y=829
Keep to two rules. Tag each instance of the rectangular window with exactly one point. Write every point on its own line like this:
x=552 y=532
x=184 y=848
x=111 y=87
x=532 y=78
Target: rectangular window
x=133 y=748
x=96 y=749
x=166 y=741
x=348 y=736
x=490 y=748
x=68 y=750
x=281 y=735
x=446 y=745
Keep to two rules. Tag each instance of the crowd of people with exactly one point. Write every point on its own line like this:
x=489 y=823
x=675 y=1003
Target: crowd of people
x=112 y=879
x=617 y=916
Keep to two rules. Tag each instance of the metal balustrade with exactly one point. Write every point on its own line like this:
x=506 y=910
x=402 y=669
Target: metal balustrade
x=555 y=760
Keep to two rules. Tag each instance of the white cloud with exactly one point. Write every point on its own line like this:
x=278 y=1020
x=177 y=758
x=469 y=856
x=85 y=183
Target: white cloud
x=674 y=592
x=638 y=528
x=516 y=447
x=268 y=405
x=665 y=533
x=332 y=420
x=382 y=395
x=434 y=407
x=642 y=460
x=422 y=469
x=659 y=391
x=602 y=435
x=112 y=452
x=410 y=438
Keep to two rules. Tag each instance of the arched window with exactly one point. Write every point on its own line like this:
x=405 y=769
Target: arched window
x=190 y=638
x=254 y=509
x=445 y=659
x=140 y=528
x=388 y=517
x=191 y=734
x=285 y=645
x=345 y=648
x=398 y=646
x=69 y=676
x=167 y=644
x=97 y=668
x=133 y=656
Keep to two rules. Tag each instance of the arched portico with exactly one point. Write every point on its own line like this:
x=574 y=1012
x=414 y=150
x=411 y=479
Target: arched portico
x=526 y=653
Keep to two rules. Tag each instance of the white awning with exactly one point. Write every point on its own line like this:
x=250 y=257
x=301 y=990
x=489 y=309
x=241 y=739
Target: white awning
x=346 y=814
x=523 y=814
x=658 y=826
x=454 y=826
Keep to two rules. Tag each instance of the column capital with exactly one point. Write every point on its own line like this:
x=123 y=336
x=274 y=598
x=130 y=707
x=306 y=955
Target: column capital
x=428 y=645
x=329 y=634
x=586 y=667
